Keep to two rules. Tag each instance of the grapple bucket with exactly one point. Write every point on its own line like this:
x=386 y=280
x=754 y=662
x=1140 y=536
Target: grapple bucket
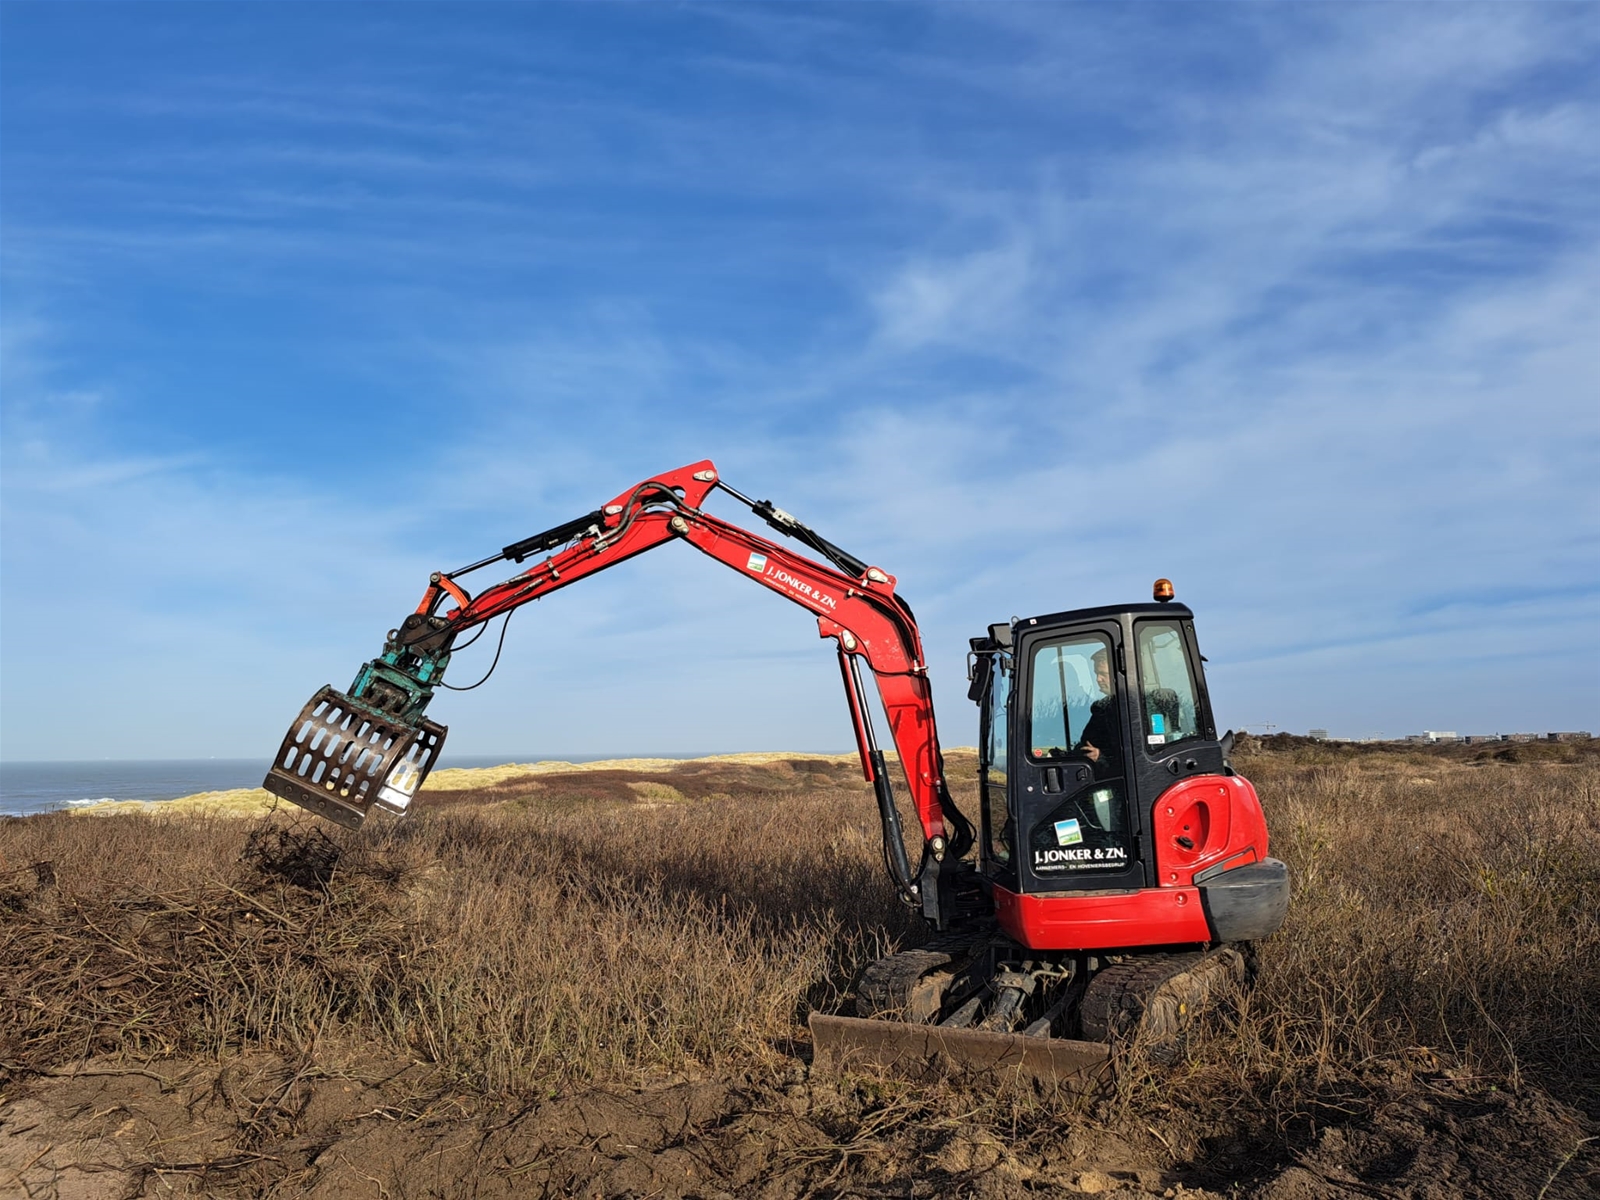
x=842 y=1043
x=341 y=758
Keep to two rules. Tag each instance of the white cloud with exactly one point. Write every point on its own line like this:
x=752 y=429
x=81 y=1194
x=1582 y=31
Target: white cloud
x=963 y=300
x=1312 y=333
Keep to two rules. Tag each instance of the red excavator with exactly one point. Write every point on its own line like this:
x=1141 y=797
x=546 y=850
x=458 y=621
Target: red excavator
x=1118 y=871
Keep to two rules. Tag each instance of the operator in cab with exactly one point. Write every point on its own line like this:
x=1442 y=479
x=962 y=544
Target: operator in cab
x=1101 y=742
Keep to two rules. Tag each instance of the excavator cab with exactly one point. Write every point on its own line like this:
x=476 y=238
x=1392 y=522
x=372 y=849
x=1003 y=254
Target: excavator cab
x=1075 y=746
x=1122 y=863
x=1107 y=801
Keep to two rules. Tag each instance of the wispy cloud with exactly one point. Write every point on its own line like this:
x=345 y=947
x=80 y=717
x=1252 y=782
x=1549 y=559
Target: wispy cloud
x=1026 y=304
x=966 y=300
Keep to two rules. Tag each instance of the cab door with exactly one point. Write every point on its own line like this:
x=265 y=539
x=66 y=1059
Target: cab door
x=1072 y=780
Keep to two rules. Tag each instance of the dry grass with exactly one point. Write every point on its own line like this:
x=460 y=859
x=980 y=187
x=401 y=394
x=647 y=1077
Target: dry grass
x=1445 y=925
x=1439 y=903
x=630 y=927
x=517 y=946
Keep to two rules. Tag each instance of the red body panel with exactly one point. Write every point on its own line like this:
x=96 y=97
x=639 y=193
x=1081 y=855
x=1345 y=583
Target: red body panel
x=1220 y=814
x=1150 y=917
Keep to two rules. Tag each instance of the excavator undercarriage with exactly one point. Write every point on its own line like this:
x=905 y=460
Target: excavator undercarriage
x=1116 y=875
x=979 y=1000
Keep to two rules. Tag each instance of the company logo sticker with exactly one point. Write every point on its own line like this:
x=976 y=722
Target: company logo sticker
x=757 y=563
x=1079 y=858
x=1068 y=833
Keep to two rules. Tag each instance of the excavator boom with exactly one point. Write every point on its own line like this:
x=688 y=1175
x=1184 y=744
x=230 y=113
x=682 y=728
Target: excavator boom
x=373 y=747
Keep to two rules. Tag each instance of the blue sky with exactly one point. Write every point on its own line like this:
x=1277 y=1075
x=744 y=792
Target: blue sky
x=1028 y=304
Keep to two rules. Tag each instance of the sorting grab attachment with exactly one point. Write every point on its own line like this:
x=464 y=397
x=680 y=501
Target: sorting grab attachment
x=341 y=758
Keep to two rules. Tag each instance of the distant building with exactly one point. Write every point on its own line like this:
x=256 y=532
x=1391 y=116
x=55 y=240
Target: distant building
x=1581 y=736
x=1519 y=737
x=1476 y=739
x=1320 y=735
x=1430 y=736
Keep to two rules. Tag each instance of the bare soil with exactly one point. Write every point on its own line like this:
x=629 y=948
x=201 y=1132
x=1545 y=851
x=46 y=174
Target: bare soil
x=597 y=985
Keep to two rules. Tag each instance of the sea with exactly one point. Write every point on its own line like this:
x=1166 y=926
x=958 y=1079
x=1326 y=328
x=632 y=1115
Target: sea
x=35 y=787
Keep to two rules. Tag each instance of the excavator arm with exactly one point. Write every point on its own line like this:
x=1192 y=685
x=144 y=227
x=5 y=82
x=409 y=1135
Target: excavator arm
x=373 y=745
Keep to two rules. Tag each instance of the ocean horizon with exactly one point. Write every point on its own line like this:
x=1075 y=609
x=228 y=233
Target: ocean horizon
x=36 y=787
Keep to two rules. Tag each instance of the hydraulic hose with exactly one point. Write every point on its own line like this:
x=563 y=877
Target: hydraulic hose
x=894 y=843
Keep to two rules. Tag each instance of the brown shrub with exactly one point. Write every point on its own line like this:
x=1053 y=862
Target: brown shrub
x=1444 y=922
x=516 y=946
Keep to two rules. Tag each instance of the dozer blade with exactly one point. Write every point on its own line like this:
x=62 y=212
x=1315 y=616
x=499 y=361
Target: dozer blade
x=341 y=758
x=841 y=1043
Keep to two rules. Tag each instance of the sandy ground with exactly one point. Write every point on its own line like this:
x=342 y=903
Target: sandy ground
x=266 y=1127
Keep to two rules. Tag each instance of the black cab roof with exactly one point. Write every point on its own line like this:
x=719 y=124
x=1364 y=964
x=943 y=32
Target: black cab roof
x=1169 y=608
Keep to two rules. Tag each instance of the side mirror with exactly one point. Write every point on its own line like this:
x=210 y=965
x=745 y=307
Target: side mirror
x=981 y=672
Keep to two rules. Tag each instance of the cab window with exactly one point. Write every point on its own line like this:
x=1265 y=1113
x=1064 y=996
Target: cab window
x=1071 y=690
x=1166 y=684
x=996 y=817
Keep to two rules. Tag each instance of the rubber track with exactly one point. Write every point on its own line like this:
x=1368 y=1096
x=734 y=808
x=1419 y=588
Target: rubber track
x=885 y=985
x=1115 y=999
